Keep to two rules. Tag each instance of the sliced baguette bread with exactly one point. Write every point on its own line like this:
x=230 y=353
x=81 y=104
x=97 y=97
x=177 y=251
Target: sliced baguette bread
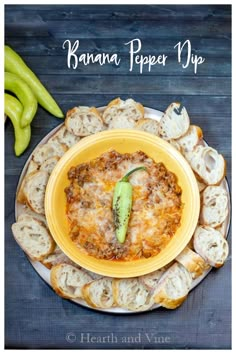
x=131 y=294
x=49 y=164
x=173 y=287
x=98 y=293
x=175 y=144
x=46 y=151
x=28 y=211
x=194 y=263
x=190 y=139
x=151 y=280
x=122 y=111
x=56 y=257
x=33 y=237
x=175 y=122
x=208 y=165
x=68 y=280
x=34 y=190
x=83 y=121
x=33 y=167
x=122 y=123
x=63 y=136
x=214 y=206
x=93 y=275
x=210 y=245
x=201 y=185
x=147 y=125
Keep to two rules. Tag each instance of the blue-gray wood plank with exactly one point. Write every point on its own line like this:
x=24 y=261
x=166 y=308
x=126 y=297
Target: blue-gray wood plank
x=34 y=316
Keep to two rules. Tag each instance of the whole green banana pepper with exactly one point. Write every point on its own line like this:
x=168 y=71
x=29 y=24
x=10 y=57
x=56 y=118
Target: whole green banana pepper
x=13 y=109
x=122 y=204
x=23 y=92
x=15 y=64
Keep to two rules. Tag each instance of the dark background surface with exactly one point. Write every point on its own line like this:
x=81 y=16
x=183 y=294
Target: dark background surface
x=35 y=316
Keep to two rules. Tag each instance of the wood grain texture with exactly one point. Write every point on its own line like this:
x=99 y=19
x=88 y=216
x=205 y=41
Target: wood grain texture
x=35 y=317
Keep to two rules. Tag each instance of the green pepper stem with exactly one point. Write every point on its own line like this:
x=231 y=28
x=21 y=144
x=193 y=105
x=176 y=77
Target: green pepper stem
x=126 y=177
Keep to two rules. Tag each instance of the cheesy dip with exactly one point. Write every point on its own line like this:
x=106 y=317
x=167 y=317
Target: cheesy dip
x=156 y=209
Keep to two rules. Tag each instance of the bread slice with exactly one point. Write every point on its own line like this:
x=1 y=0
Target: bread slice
x=83 y=121
x=191 y=139
x=98 y=293
x=46 y=151
x=148 y=125
x=34 y=190
x=175 y=144
x=65 y=137
x=210 y=245
x=194 y=263
x=209 y=166
x=173 y=287
x=122 y=123
x=214 y=206
x=175 y=122
x=132 y=294
x=32 y=167
x=151 y=280
x=201 y=185
x=122 y=111
x=56 y=257
x=93 y=275
x=33 y=237
x=68 y=280
x=49 y=164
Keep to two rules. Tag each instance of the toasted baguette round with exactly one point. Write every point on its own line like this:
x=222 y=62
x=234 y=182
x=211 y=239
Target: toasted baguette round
x=131 y=294
x=56 y=257
x=194 y=263
x=68 y=280
x=98 y=293
x=173 y=125
x=210 y=245
x=33 y=237
x=65 y=137
x=175 y=144
x=34 y=190
x=121 y=123
x=32 y=167
x=148 y=125
x=151 y=280
x=201 y=185
x=49 y=164
x=173 y=287
x=190 y=139
x=83 y=121
x=121 y=110
x=50 y=149
x=214 y=206
x=208 y=165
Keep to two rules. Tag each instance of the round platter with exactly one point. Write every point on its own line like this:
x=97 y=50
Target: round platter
x=45 y=272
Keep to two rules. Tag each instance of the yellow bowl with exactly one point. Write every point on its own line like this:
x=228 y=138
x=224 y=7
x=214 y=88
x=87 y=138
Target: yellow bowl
x=124 y=141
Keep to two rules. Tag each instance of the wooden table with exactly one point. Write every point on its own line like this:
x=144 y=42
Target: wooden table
x=35 y=316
